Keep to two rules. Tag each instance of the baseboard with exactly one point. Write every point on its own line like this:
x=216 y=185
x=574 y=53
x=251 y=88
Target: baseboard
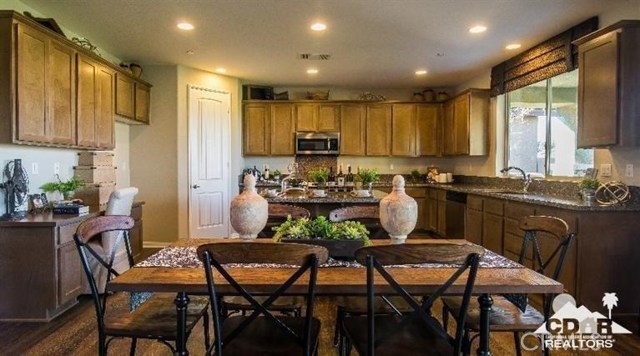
x=155 y=244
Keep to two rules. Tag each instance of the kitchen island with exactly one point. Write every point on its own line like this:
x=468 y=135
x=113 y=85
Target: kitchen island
x=318 y=206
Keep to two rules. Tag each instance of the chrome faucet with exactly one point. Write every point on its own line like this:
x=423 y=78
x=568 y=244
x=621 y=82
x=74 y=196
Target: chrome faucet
x=526 y=177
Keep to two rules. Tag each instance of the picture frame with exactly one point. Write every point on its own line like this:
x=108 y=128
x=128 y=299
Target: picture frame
x=37 y=203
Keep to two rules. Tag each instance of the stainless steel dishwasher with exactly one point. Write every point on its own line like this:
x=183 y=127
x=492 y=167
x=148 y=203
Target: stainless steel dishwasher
x=455 y=220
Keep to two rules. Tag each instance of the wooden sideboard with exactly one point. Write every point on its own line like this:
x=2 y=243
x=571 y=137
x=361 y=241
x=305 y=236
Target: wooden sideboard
x=40 y=270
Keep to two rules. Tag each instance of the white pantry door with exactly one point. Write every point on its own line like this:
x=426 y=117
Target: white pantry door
x=209 y=156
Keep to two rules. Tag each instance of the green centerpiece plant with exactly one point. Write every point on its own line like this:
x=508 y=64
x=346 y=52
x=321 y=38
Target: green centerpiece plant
x=368 y=176
x=320 y=176
x=415 y=176
x=588 y=186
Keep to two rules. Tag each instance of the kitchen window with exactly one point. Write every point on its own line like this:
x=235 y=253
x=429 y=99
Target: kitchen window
x=542 y=122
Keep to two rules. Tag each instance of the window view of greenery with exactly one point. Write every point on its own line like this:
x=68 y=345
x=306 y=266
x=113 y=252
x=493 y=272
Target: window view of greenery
x=542 y=125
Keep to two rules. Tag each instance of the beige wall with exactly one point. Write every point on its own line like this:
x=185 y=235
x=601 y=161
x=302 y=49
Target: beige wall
x=159 y=152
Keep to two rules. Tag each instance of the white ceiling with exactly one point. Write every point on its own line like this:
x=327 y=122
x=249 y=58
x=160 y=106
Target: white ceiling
x=373 y=43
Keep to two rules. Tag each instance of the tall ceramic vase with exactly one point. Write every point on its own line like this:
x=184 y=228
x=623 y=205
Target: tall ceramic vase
x=249 y=211
x=398 y=212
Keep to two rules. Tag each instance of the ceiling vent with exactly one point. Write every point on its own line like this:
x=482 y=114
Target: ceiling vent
x=314 y=56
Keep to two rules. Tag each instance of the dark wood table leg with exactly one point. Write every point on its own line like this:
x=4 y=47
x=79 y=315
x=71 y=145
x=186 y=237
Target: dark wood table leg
x=181 y=301
x=485 y=308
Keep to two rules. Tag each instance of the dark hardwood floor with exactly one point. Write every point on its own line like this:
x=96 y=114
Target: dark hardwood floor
x=75 y=333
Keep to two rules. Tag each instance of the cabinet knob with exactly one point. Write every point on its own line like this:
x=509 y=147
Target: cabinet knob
x=195 y=186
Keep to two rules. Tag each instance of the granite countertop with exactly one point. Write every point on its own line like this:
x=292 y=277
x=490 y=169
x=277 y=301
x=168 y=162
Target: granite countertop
x=331 y=198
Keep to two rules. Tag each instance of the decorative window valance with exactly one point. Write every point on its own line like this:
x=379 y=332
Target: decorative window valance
x=545 y=60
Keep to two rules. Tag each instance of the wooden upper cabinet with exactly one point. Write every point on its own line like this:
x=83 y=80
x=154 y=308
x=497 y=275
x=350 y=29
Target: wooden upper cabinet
x=428 y=140
x=465 y=123
x=125 y=96
x=608 y=86
x=306 y=117
x=46 y=90
x=95 y=120
x=257 y=130
x=317 y=117
x=378 y=130
x=403 y=141
x=142 y=101
x=352 y=129
x=283 y=129
x=31 y=63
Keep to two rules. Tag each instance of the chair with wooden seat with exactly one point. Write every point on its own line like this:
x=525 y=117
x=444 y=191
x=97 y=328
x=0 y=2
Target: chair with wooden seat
x=417 y=332
x=261 y=332
x=368 y=215
x=154 y=319
x=505 y=316
x=288 y=305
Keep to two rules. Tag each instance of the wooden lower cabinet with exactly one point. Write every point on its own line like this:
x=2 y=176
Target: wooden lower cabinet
x=436 y=211
x=602 y=257
x=40 y=270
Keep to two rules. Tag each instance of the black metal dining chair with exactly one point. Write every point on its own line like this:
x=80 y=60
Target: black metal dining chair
x=505 y=316
x=156 y=318
x=262 y=332
x=416 y=332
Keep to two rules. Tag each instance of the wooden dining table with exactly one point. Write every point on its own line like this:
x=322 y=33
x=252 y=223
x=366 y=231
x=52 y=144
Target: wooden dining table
x=332 y=281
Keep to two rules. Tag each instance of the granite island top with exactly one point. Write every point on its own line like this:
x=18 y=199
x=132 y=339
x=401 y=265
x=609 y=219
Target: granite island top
x=330 y=198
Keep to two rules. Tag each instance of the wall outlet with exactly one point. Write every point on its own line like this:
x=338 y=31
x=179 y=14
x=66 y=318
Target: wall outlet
x=34 y=168
x=56 y=168
x=391 y=167
x=629 y=170
x=605 y=170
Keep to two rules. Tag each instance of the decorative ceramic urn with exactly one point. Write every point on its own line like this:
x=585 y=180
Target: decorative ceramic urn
x=398 y=212
x=249 y=211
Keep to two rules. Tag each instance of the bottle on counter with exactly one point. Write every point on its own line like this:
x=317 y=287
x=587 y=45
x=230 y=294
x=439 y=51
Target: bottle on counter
x=331 y=179
x=266 y=172
x=348 y=181
x=340 y=178
x=257 y=174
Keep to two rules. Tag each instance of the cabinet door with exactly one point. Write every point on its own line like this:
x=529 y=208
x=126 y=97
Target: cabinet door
x=461 y=125
x=403 y=140
x=428 y=140
x=31 y=66
x=442 y=219
x=282 y=130
x=328 y=117
x=492 y=230
x=125 y=96
x=142 y=103
x=61 y=94
x=598 y=92
x=105 y=120
x=69 y=273
x=352 y=130
x=473 y=228
x=448 y=133
x=432 y=214
x=378 y=130
x=257 y=130
x=95 y=90
x=306 y=117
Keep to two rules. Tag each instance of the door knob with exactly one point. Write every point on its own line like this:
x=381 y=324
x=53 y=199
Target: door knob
x=195 y=186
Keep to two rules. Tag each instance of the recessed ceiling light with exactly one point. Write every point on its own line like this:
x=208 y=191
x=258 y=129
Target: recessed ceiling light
x=185 y=26
x=421 y=72
x=318 y=26
x=190 y=52
x=477 y=29
x=512 y=46
x=312 y=71
x=221 y=70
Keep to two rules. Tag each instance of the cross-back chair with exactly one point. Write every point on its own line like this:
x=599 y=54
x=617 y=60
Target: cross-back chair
x=154 y=319
x=278 y=213
x=416 y=332
x=505 y=316
x=263 y=332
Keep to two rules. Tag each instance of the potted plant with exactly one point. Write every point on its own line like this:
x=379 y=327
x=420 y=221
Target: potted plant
x=588 y=188
x=320 y=176
x=342 y=239
x=276 y=175
x=368 y=176
x=67 y=188
x=415 y=176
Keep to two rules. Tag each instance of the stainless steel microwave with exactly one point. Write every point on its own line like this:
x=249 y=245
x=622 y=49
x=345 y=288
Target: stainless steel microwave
x=317 y=143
